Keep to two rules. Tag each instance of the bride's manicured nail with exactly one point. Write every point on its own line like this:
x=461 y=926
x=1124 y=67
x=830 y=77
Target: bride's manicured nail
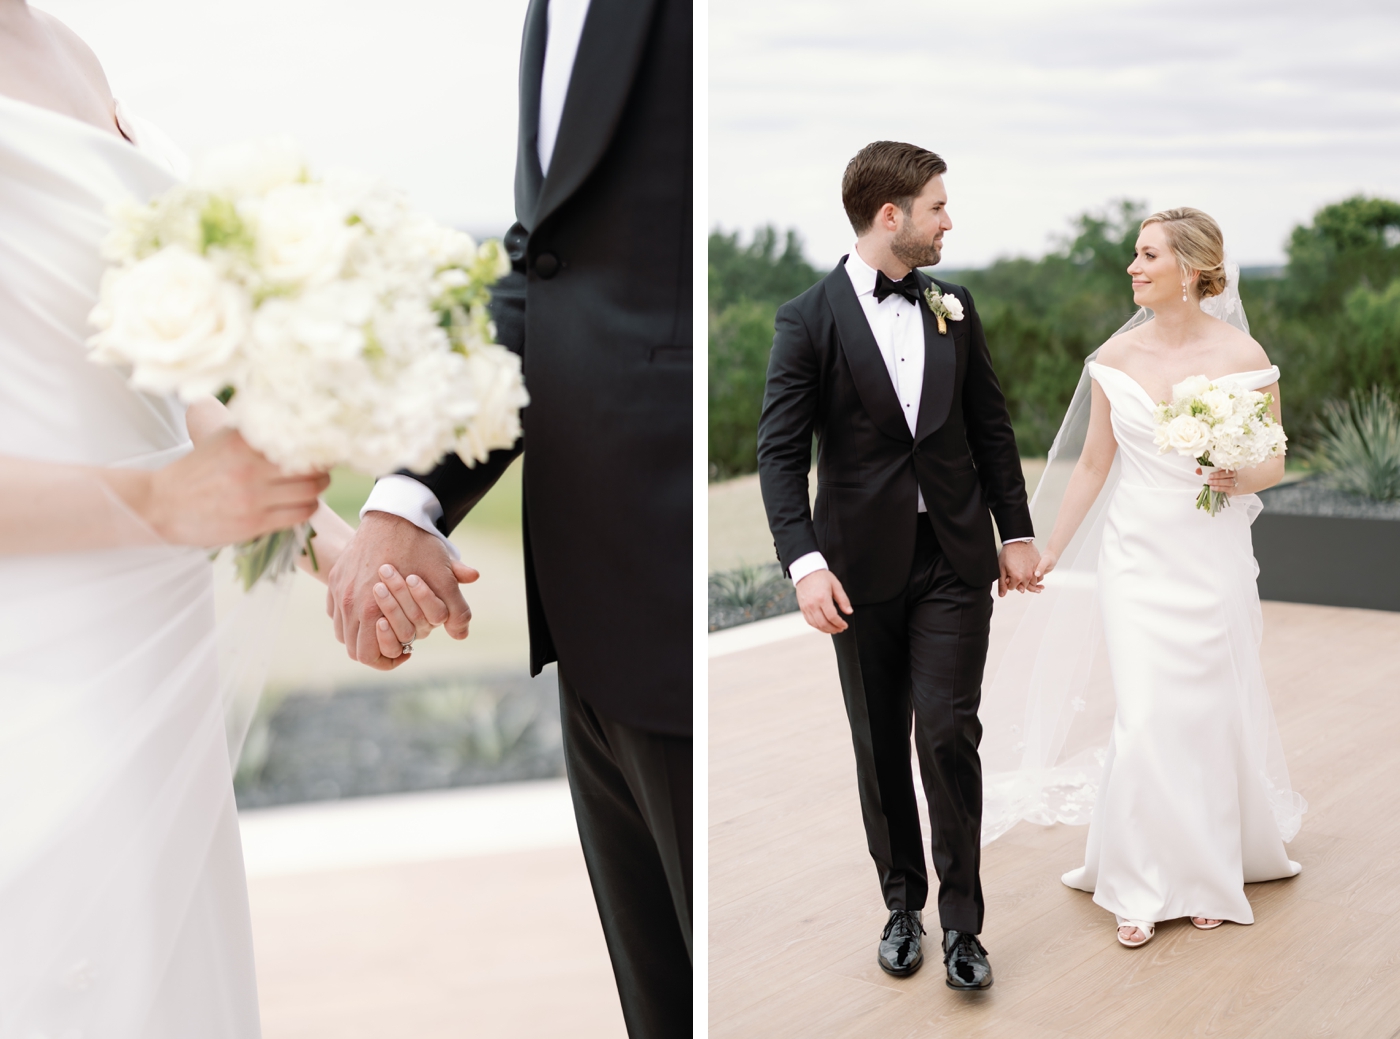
x=383 y=624
x=386 y=571
x=381 y=591
x=413 y=580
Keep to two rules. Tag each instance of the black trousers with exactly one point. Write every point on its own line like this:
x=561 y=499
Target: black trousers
x=917 y=661
x=632 y=799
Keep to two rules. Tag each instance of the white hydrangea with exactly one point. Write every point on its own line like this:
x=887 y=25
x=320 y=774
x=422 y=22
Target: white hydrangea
x=500 y=391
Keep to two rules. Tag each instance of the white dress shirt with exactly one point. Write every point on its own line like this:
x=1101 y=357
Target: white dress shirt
x=564 y=26
x=898 y=327
x=402 y=495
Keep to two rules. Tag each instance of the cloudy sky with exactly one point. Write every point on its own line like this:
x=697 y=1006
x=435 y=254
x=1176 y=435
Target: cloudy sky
x=1257 y=111
x=420 y=91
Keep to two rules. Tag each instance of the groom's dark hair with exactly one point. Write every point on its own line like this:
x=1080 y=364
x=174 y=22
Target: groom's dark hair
x=886 y=171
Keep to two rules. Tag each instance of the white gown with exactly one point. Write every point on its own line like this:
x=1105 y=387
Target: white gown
x=1182 y=819
x=123 y=903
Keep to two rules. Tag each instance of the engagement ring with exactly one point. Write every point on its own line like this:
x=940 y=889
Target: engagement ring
x=407 y=646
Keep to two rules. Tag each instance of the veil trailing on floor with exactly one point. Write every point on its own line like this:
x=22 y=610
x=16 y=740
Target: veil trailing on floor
x=1047 y=713
x=128 y=673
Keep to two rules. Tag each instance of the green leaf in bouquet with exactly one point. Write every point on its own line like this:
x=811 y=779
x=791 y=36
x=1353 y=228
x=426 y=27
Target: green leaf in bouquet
x=221 y=226
x=273 y=554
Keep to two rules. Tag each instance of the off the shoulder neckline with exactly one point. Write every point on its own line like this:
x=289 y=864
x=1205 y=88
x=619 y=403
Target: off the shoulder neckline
x=119 y=137
x=1273 y=368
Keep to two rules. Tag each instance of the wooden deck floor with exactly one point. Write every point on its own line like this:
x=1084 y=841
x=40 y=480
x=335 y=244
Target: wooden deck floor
x=795 y=911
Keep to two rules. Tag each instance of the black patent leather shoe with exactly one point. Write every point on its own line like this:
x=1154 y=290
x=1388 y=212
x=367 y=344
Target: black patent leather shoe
x=901 y=951
x=966 y=961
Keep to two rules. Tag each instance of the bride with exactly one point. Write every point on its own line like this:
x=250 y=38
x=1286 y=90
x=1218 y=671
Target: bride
x=1192 y=800
x=123 y=906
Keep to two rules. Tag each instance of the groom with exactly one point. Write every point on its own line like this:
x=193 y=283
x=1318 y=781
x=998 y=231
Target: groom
x=915 y=457
x=599 y=305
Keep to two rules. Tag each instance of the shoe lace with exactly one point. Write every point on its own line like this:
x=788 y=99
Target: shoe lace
x=963 y=940
x=905 y=920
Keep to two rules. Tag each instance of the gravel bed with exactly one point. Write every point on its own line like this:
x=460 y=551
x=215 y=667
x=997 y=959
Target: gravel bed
x=380 y=740
x=1314 y=497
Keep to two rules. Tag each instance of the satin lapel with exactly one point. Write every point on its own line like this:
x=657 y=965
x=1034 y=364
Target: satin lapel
x=940 y=370
x=528 y=176
x=863 y=358
x=614 y=37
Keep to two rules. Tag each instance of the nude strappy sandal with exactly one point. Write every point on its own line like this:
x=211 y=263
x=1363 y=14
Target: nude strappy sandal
x=1142 y=925
x=1204 y=927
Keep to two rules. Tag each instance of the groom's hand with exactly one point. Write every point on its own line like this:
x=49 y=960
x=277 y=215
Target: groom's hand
x=350 y=599
x=819 y=594
x=1018 y=562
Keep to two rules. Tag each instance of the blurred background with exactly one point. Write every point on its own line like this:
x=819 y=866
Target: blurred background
x=401 y=830
x=1063 y=125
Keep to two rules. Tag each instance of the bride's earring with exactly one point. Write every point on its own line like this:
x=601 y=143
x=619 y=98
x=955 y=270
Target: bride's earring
x=1184 y=297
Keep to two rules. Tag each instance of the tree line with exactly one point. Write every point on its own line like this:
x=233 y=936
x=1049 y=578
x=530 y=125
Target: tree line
x=1331 y=321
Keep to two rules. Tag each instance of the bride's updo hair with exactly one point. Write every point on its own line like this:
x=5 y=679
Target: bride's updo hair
x=1196 y=240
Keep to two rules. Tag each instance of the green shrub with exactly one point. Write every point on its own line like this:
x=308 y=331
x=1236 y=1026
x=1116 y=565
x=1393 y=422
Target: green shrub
x=747 y=285
x=1358 y=444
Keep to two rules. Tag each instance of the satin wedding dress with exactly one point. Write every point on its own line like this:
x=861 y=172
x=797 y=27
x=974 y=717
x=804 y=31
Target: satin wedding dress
x=1129 y=695
x=1182 y=818
x=123 y=904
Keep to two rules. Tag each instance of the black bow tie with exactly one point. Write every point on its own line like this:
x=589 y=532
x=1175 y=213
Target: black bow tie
x=907 y=286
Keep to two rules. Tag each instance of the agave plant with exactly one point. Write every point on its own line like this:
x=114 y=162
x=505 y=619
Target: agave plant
x=1358 y=444
x=747 y=588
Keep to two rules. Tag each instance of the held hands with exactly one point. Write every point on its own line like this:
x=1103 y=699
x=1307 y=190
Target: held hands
x=1020 y=569
x=819 y=595
x=375 y=609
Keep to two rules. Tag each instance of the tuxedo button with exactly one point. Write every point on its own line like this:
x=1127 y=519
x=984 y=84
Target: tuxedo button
x=547 y=265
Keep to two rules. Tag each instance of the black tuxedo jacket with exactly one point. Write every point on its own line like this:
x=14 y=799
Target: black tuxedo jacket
x=599 y=306
x=826 y=376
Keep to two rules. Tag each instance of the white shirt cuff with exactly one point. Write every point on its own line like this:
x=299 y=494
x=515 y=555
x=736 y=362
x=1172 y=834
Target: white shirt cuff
x=405 y=497
x=808 y=564
x=1015 y=541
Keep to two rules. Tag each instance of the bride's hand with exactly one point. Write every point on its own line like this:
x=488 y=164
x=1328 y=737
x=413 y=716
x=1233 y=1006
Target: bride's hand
x=224 y=492
x=1048 y=559
x=1224 y=481
x=411 y=610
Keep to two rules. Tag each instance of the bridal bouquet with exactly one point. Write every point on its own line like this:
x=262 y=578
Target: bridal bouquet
x=340 y=327
x=1220 y=425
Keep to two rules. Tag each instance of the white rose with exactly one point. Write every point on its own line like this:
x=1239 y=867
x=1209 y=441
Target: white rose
x=1219 y=402
x=251 y=167
x=1190 y=387
x=1187 y=435
x=954 y=305
x=174 y=320
x=302 y=237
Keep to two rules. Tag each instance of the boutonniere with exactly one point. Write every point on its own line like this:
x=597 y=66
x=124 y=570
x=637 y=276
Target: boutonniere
x=946 y=307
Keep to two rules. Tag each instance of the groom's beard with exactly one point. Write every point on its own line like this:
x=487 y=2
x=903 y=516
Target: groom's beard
x=914 y=251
